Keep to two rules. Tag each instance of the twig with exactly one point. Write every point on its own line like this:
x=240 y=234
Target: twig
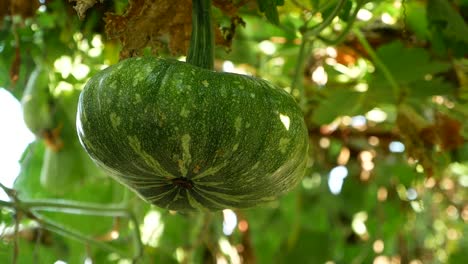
x=17 y=218
x=297 y=80
x=315 y=30
x=345 y=32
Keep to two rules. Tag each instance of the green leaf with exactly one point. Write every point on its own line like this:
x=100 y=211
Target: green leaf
x=311 y=247
x=48 y=250
x=416 y=19
x=408 y=64
x=315 y=219
x=269 y=8
x=404 y=173
x=449 y=30
x=336 y=104
x=441 y=14
x=425 y=88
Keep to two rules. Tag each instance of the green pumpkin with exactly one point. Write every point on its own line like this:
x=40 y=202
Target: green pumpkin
x=36 y=103
x=184 y=137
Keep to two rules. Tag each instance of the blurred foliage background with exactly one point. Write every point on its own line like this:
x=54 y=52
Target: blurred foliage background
x=384 y=89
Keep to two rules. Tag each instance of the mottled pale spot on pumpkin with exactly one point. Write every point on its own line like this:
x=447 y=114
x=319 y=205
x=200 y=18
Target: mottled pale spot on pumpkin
x=210 y=171
x=186 y=156
x=135 y=144
x=113 y=85
x=139 y=77
x=238 y=124
x=219 y=153
x=236 y=146
x=196 y=169
x=184 y=112
x=247 y=125
x=283 y=144
x=120 y=66
x=223 y=92
x=161 y=118
x=252 y=95
x=148 y=69
x=205 y=83
x=137 y=98
x=115 y=120
x=255 y=166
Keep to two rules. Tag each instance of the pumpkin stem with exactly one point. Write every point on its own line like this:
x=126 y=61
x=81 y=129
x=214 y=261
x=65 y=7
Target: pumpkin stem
x=201 y=51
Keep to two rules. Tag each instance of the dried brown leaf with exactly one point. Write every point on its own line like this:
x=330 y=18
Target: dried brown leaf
x=446 y=132
x=24 y=8
x=418 y=143
x=158 y=23
x=83 y=5
x=149 y=23
x=421 y=137
x=225 y=35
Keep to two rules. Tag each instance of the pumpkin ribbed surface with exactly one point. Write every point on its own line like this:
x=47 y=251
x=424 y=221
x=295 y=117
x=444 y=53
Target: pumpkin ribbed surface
x=187 y=138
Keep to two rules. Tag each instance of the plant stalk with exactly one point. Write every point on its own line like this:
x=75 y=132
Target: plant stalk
x=201 y=50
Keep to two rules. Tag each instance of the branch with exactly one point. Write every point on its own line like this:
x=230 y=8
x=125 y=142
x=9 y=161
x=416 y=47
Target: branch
x=73 y=207
x=30 y=208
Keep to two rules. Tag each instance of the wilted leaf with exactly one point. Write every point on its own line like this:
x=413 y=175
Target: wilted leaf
x=154 y=21
x=411 y=127
x=83 y=5
x=446 y=132
x=24 y=8
x=163 y=21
